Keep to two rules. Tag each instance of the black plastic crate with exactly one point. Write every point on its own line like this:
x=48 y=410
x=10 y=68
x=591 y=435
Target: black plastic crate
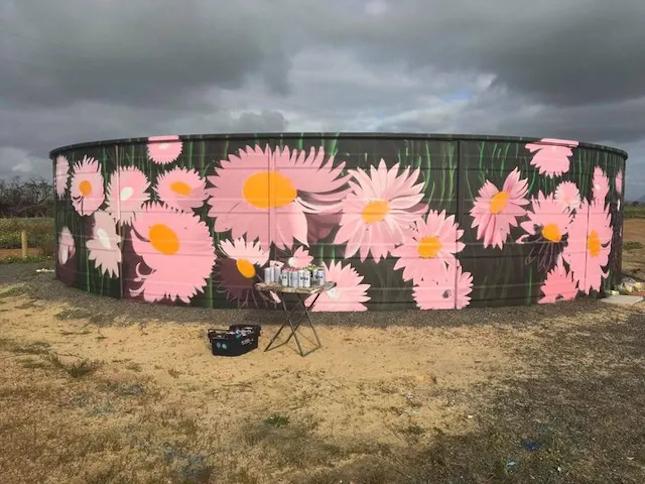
x=237 y=340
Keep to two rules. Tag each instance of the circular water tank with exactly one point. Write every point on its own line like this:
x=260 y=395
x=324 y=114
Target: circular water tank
x=396 y=220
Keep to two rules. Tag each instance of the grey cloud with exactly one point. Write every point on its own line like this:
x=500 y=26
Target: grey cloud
x=78 y=71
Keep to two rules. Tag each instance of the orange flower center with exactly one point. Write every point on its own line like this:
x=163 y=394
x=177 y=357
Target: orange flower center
x=429 y=247
x=269 y=189
x=551 y=232
x=164 y=239
x=181 y=188
x=375 y=211
x=498 y=202
x=593 y=244
x=85 y=188
x=246 y=268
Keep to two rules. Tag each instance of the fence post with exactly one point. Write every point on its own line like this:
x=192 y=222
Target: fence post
x=23 y=243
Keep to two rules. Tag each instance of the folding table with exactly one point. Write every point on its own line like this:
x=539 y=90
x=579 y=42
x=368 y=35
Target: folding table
x=296 y=311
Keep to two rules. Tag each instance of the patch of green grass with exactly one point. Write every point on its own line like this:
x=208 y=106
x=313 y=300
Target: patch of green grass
x=632 y=245
x=77 y=369
x=81 y=368
x=277 y=420
x=13 y=291
x=30 y=259
x=631 y=211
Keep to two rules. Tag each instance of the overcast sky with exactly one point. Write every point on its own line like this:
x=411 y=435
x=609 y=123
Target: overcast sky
x=82 y=70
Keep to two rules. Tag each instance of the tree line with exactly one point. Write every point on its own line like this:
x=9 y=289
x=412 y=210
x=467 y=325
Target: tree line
x=26 y=198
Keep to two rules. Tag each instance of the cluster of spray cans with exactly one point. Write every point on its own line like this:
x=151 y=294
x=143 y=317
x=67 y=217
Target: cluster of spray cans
x=307 y=277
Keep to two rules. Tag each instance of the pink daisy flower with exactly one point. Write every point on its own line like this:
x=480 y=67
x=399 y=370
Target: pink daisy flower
x=619 y=182
x=87 y=186
x=126 y=193
x=568 y=196
x=450 y=288
x=558 y=285
x=600 y=185
x=238 y=269
x=551 y=156
x=348 y=295
x=164 y=149
x=300 y=258
x=546 y=228
x=66 y=246
x=104 y=245
x=495 y=211
x=61 y=178
x=182 y=189
x=380 y=208
x=177 y=249
x=428 y=247
x=286 y=183
x=548 y=219
x=589 y=245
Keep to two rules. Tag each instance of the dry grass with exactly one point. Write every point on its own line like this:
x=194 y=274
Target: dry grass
x=97 y=390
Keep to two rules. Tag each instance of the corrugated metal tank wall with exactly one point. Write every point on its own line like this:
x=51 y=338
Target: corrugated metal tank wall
x=400 y=221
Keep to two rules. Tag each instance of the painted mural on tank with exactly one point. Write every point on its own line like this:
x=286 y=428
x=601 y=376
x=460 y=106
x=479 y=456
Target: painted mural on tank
x=397 y=221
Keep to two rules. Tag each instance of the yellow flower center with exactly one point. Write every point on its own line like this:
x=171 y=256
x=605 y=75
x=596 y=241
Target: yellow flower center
x=269 y=189
x=552 y=233
x=375 y=211
x=246 y=268
x=429 y=247
x=164 y=239
x=498 y=202
x=593 y=244
x=85 y=188
x=181 y=188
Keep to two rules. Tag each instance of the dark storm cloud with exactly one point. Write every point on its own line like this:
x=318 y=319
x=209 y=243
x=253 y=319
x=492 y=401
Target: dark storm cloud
x=76 y=70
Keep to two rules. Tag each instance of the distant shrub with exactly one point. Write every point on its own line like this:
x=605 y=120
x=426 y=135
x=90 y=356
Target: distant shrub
x=40 y=233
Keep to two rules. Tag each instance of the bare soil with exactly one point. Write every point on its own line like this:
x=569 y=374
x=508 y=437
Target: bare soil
x=634 y=247
x=99 y=390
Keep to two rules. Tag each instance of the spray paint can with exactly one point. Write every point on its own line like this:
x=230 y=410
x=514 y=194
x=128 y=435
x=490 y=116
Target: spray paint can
x=284 y=278
x=321 y=276
x=277 y=271
x=293 y=278
x=268 y=275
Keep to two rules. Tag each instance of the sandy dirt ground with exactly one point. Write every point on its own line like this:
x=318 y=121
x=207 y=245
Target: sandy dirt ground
x=99 y=390
x=634 y=247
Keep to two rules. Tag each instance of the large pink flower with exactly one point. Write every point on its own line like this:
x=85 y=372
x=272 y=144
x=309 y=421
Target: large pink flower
x=104 y=245
x=619 y=182
x=182 y=189
x=496 y=211
x=164 y=149
x=87 y=186
x=547 y=218
x=238 y=268
x=66 y=246
x=429 y=247
x=589 y=245
x=177 y=249
x=61 y=179
x=600 y=186
x=568 y=196
x=558 y=285
x=348 y=295
x=300 y=258
x=285 y=183
x=551 y=156
x=381 y=207
x=450 y=288
x=126 y=193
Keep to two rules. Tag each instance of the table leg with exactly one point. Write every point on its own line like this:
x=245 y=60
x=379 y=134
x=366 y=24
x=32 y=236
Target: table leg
x=294 y=324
